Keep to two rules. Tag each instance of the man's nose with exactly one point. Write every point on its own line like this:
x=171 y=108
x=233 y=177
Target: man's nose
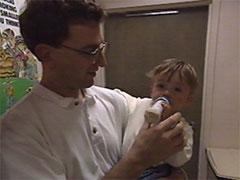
x=101 y=60
x=166 y=92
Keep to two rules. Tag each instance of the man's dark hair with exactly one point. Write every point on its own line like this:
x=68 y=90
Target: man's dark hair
x=47 y=21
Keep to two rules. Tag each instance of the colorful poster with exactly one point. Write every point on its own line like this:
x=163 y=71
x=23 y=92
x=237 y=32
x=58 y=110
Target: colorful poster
x=12 y=90
x=19 y=68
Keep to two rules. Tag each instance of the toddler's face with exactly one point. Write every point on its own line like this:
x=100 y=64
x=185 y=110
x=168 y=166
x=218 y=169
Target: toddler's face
x=178 y=91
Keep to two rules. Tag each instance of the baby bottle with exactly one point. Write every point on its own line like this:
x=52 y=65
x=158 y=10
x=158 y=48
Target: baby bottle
x=153 y=114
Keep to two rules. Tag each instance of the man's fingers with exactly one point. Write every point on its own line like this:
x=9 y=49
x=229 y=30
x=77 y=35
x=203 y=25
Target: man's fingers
x=178 y=140
x=177 y=136
x=179 y=146
x=167 y=111
x=146 y=125
x=178 y=129
x=170 y=122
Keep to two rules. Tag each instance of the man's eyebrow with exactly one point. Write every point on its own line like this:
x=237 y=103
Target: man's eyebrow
x=90 y=46
x=95 y=45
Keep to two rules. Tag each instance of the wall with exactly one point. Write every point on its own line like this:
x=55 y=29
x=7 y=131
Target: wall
x=221 y=109
x=116 y=4
x=9 y=21
x=20 y=4
x=223 y=64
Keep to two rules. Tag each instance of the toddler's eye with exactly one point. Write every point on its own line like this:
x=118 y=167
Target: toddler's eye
x=161 y=86
x=178 y=89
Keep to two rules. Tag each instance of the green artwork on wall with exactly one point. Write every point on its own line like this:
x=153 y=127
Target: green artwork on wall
x=18 y=69
x=12 y=90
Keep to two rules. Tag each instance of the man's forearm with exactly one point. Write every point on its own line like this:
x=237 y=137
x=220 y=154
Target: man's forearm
x=127 y=168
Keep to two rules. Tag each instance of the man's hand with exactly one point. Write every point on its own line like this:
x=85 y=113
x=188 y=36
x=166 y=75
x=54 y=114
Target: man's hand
x=151 y=146
x=167 y=111
x=160 y=141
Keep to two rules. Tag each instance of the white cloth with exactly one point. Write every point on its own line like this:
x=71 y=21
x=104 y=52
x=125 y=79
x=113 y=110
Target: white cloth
x=135 y=123
x=48 y=137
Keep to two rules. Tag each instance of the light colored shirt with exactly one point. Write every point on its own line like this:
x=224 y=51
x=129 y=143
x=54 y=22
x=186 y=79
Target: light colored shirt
x=47 y=136
x=136 y=120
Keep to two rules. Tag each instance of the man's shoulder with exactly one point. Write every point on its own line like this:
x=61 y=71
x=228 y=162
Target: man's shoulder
x=109 y=97
x=21 y=109
x=104 y=92
x=99 y=89
x=117 y=96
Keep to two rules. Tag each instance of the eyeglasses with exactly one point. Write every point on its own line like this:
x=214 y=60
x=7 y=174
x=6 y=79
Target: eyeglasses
x=92 y=52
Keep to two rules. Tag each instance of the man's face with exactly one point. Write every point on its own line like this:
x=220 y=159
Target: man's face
x=75 y=69
x=175 y=89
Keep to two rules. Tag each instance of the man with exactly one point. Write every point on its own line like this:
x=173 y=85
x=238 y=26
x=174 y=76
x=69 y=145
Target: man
x=66 y=128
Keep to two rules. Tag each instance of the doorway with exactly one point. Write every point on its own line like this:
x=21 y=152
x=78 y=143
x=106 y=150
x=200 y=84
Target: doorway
x=138 y=42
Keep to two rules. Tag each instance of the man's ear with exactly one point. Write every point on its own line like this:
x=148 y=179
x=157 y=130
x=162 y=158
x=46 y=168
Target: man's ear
x=43 y=52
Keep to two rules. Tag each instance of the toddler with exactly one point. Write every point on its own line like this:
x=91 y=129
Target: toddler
x=174 y=82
